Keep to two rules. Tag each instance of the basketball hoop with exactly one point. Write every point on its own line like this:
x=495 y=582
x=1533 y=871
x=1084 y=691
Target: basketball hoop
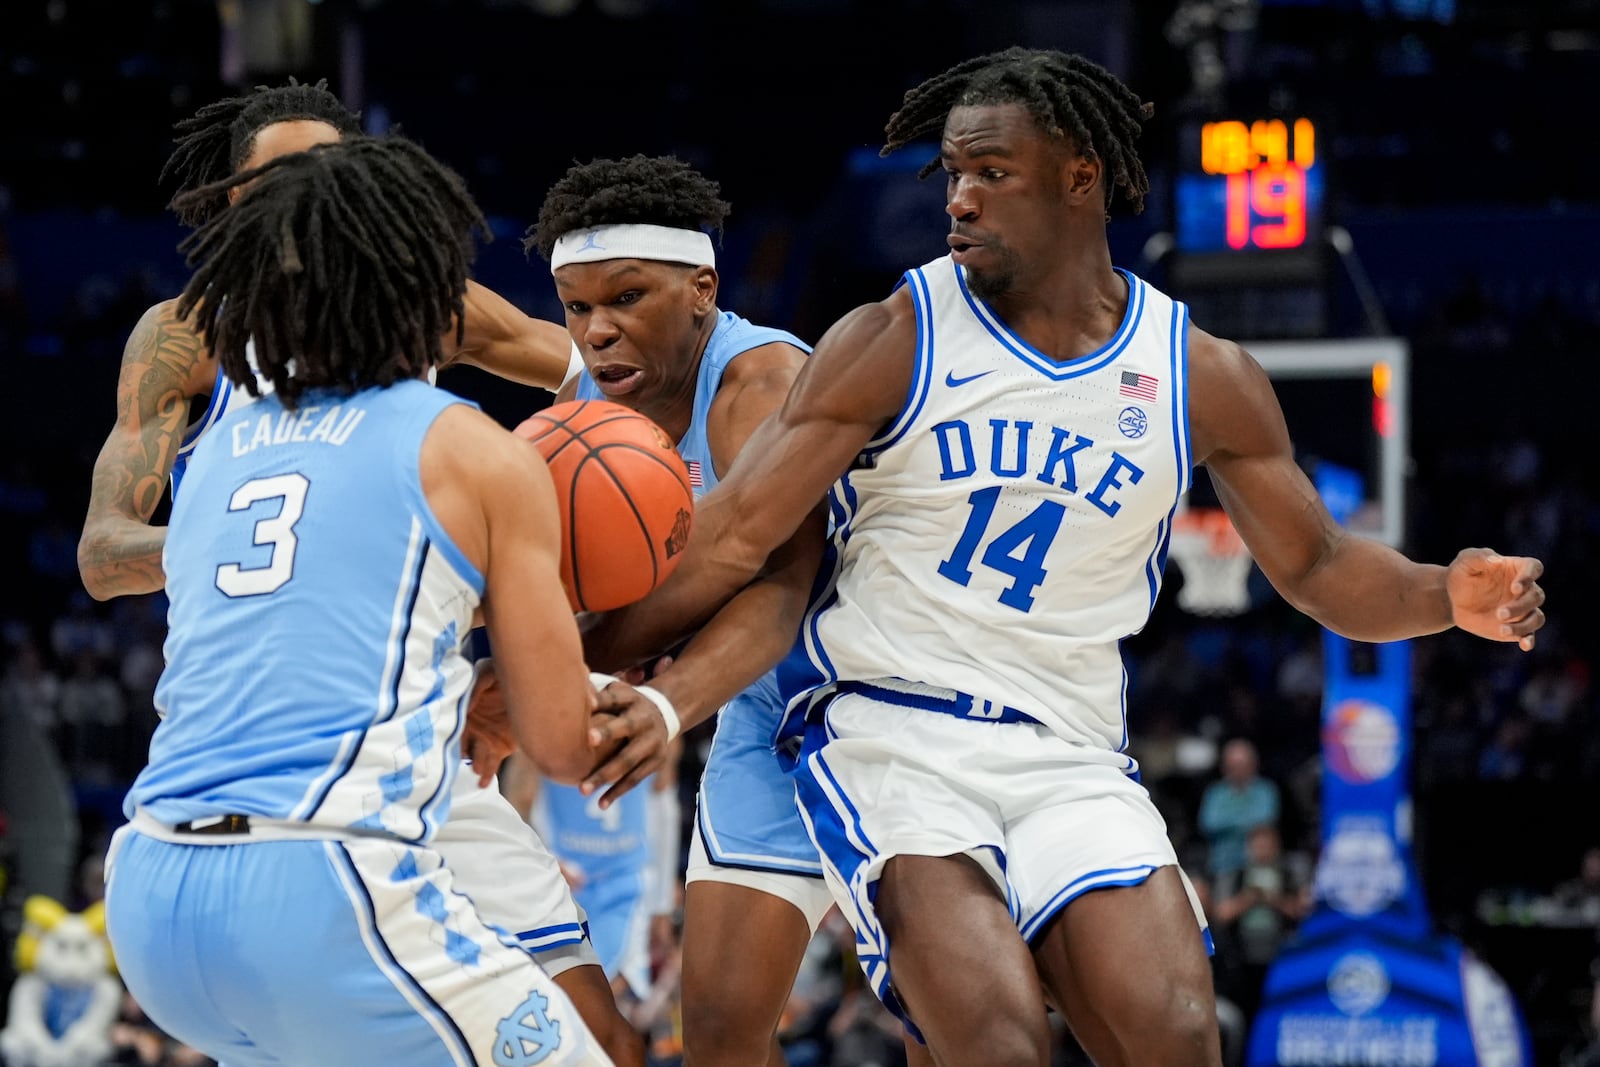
x=1214 y=560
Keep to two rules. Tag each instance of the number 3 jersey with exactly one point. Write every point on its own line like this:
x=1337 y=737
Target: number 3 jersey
x=1009 y=528
x=314 y=668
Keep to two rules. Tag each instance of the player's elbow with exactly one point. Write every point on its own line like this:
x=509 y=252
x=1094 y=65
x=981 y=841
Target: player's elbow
x=566 y=764
x=91 y=550
x=560 y=751
x=743 y=553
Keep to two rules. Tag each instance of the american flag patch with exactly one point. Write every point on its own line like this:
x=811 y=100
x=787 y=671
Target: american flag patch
x=1138 y=386
x=696 y=480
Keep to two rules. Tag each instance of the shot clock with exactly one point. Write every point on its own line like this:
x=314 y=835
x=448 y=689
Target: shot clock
x=1250 y=185
x=1249 y=252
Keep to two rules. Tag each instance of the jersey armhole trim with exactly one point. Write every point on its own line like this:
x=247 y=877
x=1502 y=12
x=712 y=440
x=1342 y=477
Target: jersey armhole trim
x=216 y=404
x=921 y=369
x=1180 y=395
x=411 y=480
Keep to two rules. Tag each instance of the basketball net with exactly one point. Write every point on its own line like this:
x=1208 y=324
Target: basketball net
x=1214 y=560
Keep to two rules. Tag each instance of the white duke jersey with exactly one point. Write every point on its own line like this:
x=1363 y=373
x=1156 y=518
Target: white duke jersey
x=1009 y=528
x=314 y=663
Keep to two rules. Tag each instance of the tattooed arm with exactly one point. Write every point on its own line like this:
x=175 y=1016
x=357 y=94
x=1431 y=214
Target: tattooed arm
x=120 y=552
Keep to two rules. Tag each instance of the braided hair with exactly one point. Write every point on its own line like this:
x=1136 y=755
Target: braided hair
x=345 y=265
x=1067 y=95
x=214 y=141
x=659 y=191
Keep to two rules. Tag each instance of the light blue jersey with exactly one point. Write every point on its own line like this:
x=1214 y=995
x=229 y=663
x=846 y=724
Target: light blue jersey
x=600 y=842
x=315 y=684
x=314 y=667
x=609 y=849
x=746 y=810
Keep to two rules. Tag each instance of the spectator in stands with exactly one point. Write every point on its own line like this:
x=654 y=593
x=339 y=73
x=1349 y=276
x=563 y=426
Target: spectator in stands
x=30 y=689
x=1256 y=909
x=1580 y=897
x=1234 y=805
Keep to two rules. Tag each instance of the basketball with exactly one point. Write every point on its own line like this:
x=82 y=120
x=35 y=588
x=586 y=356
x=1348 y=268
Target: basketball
x=624 y=499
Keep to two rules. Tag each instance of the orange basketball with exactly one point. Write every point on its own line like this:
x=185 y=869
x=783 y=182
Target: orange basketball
x=624 y=498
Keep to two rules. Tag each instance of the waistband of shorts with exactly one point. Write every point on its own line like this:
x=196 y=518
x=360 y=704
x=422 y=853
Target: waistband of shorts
x=234 y=829
x=937 y=698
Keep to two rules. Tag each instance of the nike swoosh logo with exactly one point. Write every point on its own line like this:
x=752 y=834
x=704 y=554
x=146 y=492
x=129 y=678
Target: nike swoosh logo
x=952 y=381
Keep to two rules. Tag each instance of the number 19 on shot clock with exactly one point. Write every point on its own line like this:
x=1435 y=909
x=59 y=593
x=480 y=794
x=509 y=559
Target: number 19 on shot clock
x=1250 y=185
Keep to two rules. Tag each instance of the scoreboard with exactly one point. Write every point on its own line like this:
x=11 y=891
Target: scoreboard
x=1250 y=251
x=1249 y=185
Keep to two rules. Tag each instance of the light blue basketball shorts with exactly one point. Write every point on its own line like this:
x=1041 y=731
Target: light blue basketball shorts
x=746 y=813
x=328 y=952
x=748 y=830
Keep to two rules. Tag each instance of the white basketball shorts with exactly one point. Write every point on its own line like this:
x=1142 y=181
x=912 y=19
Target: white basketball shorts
x=511 y=876
x=1048 y=820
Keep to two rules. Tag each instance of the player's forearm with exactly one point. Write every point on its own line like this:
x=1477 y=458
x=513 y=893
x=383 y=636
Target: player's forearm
x=744 y=641
x=1366 y=591
x=502 y=340
x=121 y=557
x=751 y=633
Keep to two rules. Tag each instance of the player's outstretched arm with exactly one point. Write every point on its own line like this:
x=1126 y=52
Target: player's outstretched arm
x=1355 y=586
x=119 y=553
x=752 y=631
x=855 y=383
x=744 y=632
x=493 y=495
x=500 y=339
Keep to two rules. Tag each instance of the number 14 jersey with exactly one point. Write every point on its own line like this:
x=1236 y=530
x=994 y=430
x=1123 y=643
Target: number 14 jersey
x=1009 y=528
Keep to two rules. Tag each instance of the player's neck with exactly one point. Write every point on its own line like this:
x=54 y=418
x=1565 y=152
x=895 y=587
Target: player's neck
x=1071 y=308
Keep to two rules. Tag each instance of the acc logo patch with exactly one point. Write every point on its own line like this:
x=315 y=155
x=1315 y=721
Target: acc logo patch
x=528 y=1035
x=1133 y=422
x=1358 y=983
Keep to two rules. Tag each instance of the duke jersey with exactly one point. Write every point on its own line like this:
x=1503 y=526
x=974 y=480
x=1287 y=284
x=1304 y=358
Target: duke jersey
x=314 y=666
x=1009 y=528
x=216 y=407
x=732 y=337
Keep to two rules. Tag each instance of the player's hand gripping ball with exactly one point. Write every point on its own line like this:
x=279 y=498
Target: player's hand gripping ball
x=624 y=498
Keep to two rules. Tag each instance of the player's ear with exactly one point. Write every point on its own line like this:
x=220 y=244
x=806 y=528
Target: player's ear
x=704 y=282
x=1080 y=175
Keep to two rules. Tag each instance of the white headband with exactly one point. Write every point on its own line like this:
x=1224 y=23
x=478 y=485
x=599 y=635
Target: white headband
x=633 y=241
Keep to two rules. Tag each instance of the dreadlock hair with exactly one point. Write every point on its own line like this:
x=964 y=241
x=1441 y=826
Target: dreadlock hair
x=1067 y=95
x=345 y=265
x=659 y=191
x=215 y=140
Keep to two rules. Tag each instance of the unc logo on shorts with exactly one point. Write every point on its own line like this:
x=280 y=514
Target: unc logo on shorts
x=1133 y=422
x=528 y=1035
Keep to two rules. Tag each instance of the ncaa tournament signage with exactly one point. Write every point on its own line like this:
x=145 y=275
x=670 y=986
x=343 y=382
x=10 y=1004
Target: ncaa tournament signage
x=1366 y=982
